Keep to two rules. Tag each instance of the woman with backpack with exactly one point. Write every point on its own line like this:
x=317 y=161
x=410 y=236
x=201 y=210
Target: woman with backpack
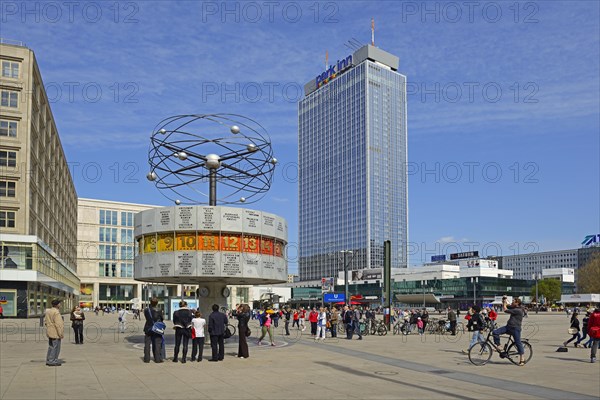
x=574 y=330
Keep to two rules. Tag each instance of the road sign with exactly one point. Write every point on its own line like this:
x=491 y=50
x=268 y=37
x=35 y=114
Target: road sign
x=334 y=297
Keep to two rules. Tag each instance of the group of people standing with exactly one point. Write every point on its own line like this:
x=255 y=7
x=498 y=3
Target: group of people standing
x=190 y=324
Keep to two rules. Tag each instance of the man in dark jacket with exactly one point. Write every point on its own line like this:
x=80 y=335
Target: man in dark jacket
x=152 y=314
x=216 y=329
x=182 y=322
x=452 y=319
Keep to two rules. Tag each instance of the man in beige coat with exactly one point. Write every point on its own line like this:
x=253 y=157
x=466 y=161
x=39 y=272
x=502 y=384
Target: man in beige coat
x=55 y=330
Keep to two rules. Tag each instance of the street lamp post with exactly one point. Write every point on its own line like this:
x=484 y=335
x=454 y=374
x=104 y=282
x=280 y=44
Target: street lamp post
x=423 y=283
x=537 y=299
x=474 y=280
x=344 y=252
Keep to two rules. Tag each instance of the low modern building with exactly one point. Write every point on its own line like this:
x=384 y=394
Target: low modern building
x=38 y=202
x=527 y=266
x=105 y=252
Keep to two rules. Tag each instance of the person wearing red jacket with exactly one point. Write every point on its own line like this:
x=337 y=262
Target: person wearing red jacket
x=313 y=318
x=593 y=327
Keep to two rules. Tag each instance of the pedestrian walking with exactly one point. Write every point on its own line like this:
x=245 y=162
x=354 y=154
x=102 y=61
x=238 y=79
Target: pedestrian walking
x=302 y=318
x=584 y=329
x=477 y=323
x=55 y=330
x=122 y=318
x=574 y=330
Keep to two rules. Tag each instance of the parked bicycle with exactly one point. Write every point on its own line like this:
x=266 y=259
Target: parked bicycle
x=480 y=353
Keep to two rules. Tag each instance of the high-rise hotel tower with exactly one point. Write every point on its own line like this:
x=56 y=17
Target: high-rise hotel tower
x=352 y=156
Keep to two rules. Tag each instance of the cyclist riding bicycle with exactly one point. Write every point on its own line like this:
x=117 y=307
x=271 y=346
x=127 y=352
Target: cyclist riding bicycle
x=513 y=327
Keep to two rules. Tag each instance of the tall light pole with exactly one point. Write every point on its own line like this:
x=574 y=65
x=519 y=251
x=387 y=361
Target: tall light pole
x=474 y=280
x=423 y=283
x=536 y=276
x=344 y=252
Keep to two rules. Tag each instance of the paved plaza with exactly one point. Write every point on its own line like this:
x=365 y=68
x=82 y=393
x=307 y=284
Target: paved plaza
x=109 y=366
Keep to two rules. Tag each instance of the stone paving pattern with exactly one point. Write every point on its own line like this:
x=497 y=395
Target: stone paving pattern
x=109 y=366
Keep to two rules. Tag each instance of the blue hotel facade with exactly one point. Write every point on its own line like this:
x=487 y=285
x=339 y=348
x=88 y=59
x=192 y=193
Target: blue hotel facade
x=352 y=158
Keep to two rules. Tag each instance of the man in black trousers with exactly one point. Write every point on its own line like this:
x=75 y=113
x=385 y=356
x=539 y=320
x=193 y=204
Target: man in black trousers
x=216 y=329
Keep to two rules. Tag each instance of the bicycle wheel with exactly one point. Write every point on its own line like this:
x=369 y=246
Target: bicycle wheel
x=382 y=330
x=363 y=329
x=480 y=353
x=512 y=353
x=341 y=328
x=231 y=329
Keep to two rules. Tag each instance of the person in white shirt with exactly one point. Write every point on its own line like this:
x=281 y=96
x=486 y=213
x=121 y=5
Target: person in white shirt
x=122 y=319
x=198 y=324
x=321 y=324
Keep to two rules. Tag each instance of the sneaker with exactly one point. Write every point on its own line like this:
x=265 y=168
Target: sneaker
x=259 y=343
x=564 y=344
x=593 y=360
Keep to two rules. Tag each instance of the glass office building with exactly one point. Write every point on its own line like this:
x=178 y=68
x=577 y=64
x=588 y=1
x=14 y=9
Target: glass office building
x=352 y=157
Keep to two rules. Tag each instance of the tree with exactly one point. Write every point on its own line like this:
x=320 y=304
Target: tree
x=548 y=288
x=588 y=277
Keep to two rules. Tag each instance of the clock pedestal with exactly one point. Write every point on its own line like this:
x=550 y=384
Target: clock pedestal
x=210 y=293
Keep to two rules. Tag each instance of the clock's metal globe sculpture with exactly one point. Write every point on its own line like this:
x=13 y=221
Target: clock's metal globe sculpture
x=195 y=241
x=188 y=151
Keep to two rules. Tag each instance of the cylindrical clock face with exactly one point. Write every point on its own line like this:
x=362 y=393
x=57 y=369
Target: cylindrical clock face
x=226 y=292
x=187 y=244
x=204 y=292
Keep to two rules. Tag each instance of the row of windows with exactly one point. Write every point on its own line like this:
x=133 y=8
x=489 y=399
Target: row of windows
x=107 y=234
x=109 y=217
x=110 y=270
x=9 y=98
x=8 y=128
x=10 y=69
x=109 y=252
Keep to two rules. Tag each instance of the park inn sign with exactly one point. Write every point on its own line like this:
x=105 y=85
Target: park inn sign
x=333 y=71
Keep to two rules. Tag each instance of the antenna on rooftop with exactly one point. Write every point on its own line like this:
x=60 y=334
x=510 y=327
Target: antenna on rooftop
x=326 y=60
x=372 y=31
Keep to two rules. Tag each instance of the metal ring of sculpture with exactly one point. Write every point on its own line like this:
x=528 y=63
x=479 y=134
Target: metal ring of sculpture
x=187 y=151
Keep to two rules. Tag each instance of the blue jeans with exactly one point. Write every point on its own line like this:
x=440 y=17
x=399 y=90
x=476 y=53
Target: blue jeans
x=477 y=337
x=515 y=333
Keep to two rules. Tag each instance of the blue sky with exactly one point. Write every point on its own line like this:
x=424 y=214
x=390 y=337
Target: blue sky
x=503 y=104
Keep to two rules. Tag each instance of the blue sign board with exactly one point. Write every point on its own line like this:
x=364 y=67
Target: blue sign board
x=438 y=258
x=334 y=297
x=591 y=240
